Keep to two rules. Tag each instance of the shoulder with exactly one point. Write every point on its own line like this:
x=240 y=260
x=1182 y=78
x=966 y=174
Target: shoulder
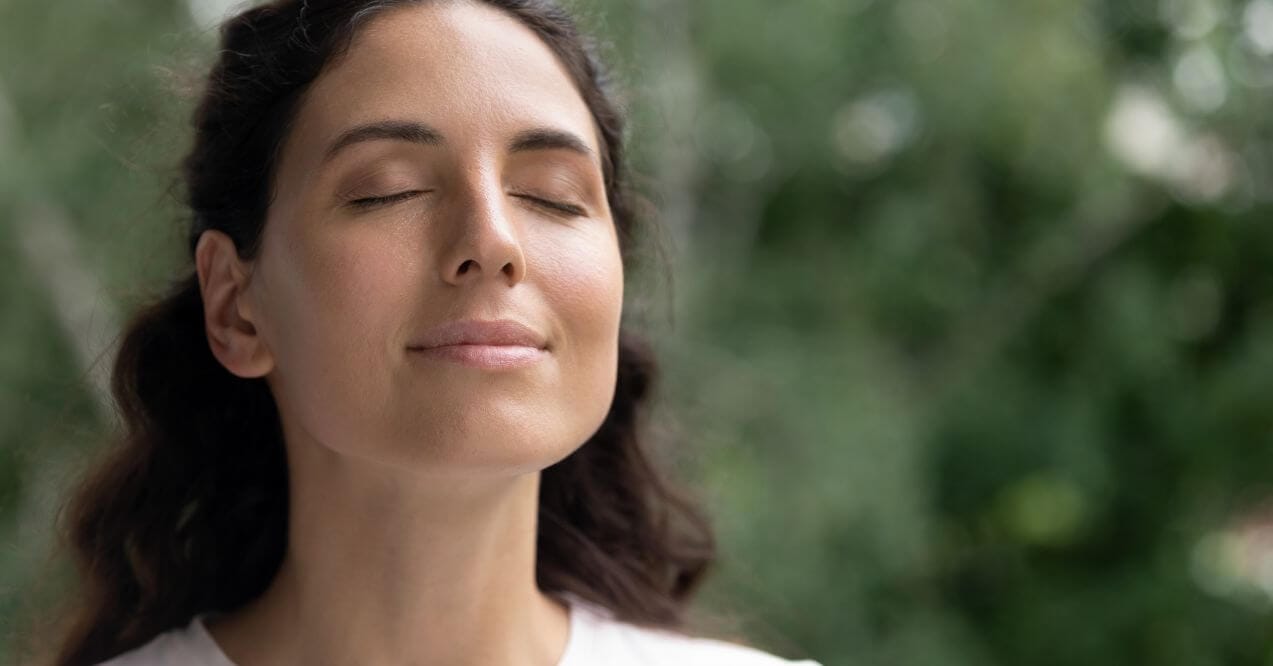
x=189 y=646
x=623 y=644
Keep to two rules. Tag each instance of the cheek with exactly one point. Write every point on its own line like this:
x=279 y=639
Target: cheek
x=344 y=291
x=583 y=285
x=334 y=304
x=583 y=280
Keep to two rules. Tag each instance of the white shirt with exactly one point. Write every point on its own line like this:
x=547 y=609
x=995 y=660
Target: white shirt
x=595 y=639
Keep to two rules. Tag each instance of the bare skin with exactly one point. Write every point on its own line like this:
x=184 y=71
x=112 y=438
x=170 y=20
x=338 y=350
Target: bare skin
x=415 y=479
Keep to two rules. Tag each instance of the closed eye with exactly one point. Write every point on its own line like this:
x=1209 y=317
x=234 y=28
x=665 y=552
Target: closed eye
x=555 y=206
x=372 y=202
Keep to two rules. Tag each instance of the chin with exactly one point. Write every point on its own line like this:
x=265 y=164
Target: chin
x=488 y=446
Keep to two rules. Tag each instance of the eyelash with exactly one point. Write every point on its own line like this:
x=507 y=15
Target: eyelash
x=556 y=206
x=371 y=202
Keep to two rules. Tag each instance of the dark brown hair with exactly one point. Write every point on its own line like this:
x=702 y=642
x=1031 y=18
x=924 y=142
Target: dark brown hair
x=188 y=512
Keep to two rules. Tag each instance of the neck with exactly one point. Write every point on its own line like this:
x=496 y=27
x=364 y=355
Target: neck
x=387 y=567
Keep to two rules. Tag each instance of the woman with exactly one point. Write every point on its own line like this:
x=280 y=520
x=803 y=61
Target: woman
x=390 y=417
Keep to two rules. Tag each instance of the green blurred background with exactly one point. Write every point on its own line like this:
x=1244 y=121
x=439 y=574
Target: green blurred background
x=968 y=338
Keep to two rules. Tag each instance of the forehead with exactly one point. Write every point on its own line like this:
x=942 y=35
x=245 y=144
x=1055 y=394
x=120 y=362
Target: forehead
x=465 y=68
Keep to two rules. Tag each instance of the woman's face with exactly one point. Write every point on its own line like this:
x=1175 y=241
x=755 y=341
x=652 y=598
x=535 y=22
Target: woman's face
x=444 y=170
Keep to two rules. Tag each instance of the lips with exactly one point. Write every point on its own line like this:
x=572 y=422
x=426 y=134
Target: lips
x=503 y=332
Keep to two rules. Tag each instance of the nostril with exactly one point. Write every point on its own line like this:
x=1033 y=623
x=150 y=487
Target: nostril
x=464 y=267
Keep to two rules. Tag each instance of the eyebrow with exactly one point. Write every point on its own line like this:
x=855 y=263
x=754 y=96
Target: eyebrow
x=537 y=138
x=547 y=138
x=394 y=130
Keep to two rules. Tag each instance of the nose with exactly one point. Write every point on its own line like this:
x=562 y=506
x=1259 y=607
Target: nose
x=485 y=243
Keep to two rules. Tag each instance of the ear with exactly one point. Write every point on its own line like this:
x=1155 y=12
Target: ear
x=227 y=311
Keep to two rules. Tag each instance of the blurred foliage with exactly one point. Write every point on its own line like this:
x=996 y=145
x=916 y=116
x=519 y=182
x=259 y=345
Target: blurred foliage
x=971 y=331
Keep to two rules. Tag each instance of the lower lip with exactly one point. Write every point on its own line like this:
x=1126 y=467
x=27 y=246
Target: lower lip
x=491 y=357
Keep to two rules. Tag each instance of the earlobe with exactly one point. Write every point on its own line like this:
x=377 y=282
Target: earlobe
x=233 y=337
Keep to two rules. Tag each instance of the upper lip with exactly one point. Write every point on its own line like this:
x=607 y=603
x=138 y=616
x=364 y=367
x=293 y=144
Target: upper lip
x=474 y=332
